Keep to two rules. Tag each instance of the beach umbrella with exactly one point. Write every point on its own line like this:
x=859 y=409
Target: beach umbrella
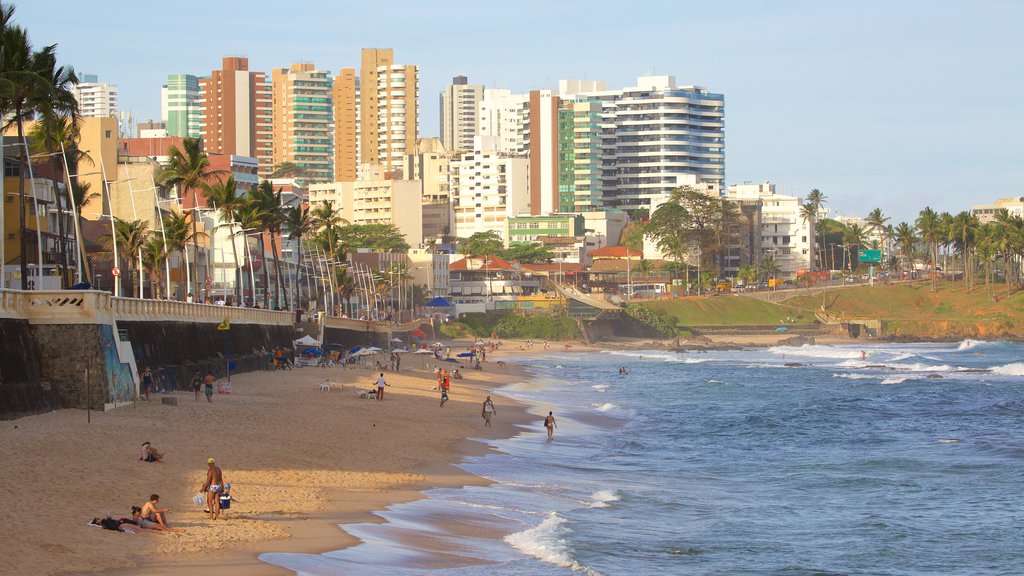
x=399 y=340
x=453 y=360
x=354 y=350
x=466 y=355
x=400 y=351
x=423 y=351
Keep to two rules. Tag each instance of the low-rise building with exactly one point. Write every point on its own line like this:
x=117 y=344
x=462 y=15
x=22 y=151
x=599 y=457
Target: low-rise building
x=987 y=212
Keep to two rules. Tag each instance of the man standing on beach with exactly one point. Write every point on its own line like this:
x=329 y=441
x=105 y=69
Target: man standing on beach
x=381 y=383
x=212 y=487
x=549 y=423
x=488 y=411
x=208 y=381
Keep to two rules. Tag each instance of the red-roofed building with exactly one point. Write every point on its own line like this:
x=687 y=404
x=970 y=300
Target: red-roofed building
x=616 y=252
x=477 y=282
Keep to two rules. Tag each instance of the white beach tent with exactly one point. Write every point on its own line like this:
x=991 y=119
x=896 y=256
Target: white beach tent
x=306 y=340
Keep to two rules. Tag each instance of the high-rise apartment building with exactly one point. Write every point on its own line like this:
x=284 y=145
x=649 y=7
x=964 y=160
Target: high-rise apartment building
x=181 y=106
x=236 y=112
x=503 y=115
x=580 y=160
x=303 y=114
x=376 y=114
x=95 y=99
x=346 y=125
x=389 y=108
x=460 y=114
x=487 y=188
x=541 y=133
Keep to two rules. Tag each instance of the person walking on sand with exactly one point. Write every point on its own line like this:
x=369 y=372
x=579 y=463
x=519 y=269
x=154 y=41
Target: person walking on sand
x=550 y=424
x=197 y=383
x=208 y=381
x=488 y=411
x=444 y=395
x=381 y=383
x=147 y=382
x=212 y=487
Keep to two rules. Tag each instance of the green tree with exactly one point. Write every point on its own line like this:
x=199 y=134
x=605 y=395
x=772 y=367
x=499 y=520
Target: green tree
x=178 y=234
x=131 y=236
x=876 y=223
x=816 y=200
x=299 y=225
x=225 y=196
x=808 y=213
x=933 y=233
x=692 y=218
x=906 y=240
x=854 y=237
x=188 y=169
x=273 y=217
x=249 y=219
x=376 y=237
x=481 y=243
x=962 y=230
x=30 y=82
x=527 y=253
x=154 y=254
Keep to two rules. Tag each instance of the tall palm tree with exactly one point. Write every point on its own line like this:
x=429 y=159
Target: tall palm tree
x=269 y=203
x=854 y=237
x=224 y=195
x=932 y=232
x=188 y=168
x=808 y=213
x=962 y=230
x=53 y=135
x=816 y=199
x=1009 y=241
x=328 y=221
x=178 y=234
x=132 y=236
x=32 y=82
x=768 y=266
x=876 y=223
x=154 y=253
x=906 y=239
x=249 y=219
x=299 y=224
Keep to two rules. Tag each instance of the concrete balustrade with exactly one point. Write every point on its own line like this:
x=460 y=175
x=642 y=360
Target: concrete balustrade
x=96 y=307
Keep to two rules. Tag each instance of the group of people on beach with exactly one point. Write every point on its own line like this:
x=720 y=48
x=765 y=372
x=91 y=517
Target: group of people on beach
x=148 y=517
x=150 y=383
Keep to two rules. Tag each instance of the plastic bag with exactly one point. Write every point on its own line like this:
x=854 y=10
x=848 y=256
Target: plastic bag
x=198 y=499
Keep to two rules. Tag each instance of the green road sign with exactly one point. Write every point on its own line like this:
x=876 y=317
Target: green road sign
x=869 y=255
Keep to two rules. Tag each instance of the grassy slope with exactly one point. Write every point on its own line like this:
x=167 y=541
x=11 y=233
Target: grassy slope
x=728 y=311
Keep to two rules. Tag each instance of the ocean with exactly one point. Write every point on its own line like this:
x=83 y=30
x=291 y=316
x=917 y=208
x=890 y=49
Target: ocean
x=786 y=460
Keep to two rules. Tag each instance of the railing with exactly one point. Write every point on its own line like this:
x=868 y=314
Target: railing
x=97 y=307
x=135 y=310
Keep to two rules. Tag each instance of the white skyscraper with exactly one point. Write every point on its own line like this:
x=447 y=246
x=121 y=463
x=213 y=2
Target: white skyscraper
x=487 y=187
x=460 y=114
x=95 y=99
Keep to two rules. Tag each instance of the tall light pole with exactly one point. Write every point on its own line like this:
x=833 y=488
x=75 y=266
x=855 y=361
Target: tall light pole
x=113 y=231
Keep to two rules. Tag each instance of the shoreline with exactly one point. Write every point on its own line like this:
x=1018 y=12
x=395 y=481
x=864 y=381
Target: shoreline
x=288 y=498
x=349 y=492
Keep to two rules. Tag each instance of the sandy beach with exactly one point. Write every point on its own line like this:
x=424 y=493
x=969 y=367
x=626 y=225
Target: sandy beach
x=300 y=462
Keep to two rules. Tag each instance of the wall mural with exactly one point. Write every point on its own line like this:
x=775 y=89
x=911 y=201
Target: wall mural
x=121 y=386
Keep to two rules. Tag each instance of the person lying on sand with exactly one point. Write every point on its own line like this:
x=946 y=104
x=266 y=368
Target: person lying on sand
x=118 y=524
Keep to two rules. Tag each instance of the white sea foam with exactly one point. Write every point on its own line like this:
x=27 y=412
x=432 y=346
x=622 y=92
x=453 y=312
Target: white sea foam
x=602 y=498
x=948 y=441
x=854 y=376
x=546 y=542
x=600 y=387
x=896 y=380
x=1012 y=369
x=814 y=351
x=969 y=344
x=917 y=367
x=605 y=407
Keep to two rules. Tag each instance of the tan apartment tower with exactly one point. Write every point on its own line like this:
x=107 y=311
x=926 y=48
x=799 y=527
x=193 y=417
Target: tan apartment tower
x=460 y=114
x=303 y=112
x=236 y=112
x=346 y=125
x=388 y=108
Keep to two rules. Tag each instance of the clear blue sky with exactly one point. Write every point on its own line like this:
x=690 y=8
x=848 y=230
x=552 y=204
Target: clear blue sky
x=896 y=105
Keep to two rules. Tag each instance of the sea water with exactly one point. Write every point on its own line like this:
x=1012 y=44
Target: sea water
x=784 y=460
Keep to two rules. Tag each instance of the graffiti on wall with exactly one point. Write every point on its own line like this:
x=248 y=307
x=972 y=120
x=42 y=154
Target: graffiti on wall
x=121 y=387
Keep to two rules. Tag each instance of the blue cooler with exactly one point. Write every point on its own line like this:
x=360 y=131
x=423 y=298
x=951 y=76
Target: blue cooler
x=225 y=501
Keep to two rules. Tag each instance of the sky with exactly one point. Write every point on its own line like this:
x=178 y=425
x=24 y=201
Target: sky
x=895 y=105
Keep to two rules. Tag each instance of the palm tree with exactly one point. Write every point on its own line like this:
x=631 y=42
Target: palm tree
x=299 y=224
x=808 y=213
x=32 y=82
x=853 y=238
x=816 y=199
x=269 y=203
x=768 y=266
x=962 y=230
x=178 y=235
x=906 y=239
x=327 y=221
x=132 y=236
x=932 y=232
x=54 y=135
x=153 y=256
x=225 y=197
x=876 y=223
x=188 y=168
x=1009 y=240
x=249 y=219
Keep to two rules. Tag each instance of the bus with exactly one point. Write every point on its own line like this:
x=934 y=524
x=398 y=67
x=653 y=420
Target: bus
x=642 y=290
